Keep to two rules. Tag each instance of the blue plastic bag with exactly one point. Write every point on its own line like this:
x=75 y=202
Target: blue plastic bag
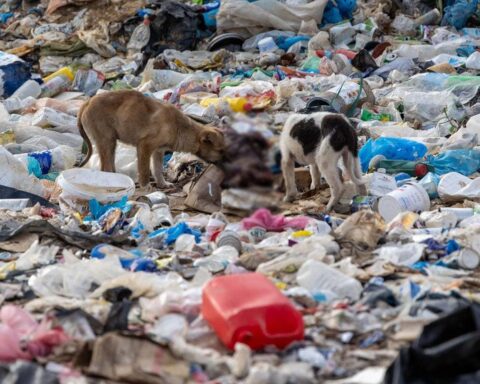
x=343 y=9
x=286 y=42
x=459 y=12
x=464 y=161
x=97 y=209
x=392 y=148
x=5 y=16
x=13 y=72
x=172 y=233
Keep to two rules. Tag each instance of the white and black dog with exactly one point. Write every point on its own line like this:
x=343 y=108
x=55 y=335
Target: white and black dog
x=319 y=140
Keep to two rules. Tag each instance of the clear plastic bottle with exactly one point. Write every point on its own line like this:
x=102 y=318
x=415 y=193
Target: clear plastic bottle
x=140 y=36
x=28 y=89
x=55 y=160
x=319 y=278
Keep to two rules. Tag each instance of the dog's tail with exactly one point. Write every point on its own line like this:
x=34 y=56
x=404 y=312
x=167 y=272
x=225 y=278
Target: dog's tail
x=352 y=165
x=84 y=134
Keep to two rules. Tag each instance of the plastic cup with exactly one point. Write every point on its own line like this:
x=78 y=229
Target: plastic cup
x=410 y=197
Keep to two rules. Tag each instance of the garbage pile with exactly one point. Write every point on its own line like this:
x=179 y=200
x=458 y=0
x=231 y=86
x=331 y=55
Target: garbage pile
x=213 y=277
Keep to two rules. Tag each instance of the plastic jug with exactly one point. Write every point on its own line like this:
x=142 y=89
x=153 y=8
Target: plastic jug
x=248 y=308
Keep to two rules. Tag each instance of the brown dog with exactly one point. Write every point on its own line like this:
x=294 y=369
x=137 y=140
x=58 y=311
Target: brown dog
x=151 y=126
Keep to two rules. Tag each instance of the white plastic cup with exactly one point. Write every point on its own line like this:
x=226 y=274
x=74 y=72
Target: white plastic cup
x=408 y=198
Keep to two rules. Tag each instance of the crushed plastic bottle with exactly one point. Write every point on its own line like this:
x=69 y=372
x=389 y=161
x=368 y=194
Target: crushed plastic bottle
x=140 y=36
x=324 y=281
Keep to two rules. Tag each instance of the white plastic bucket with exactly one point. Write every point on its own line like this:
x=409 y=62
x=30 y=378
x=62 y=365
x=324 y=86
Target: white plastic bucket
x=87 y=184
x=409 y=197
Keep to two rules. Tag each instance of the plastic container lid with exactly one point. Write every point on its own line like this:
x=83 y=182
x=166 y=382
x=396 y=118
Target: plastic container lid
x=468 y=259
x=389 y=207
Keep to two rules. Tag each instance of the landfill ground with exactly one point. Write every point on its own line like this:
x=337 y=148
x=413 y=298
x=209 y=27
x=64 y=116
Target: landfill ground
x=233 y=191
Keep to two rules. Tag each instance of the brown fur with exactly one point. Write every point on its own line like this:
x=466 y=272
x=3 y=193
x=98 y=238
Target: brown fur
x=149 y=125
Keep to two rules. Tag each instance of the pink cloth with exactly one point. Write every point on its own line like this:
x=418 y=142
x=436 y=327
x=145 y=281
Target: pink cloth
x=21 y=337
x=274 y=223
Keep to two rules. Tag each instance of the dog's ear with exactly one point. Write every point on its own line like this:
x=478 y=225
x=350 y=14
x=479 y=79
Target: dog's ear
x=212 y=136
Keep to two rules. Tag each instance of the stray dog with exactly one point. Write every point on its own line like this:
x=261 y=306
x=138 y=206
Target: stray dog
x=149 y=125
x=319 y=140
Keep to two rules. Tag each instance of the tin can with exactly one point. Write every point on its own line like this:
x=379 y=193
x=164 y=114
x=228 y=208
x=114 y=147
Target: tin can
x=363 y=202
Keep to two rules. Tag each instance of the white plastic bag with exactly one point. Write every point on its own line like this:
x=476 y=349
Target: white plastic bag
x=455 y=187
x=14 y=174
x=249 y=19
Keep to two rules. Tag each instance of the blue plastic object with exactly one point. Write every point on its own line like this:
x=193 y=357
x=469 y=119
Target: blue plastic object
x=14 y=72
x=172 y=233
x=132 y=260
x=402 y=176
x=393 y=148
x=5 y=16
x=145 y=12
x=209 y=14
x=44 y=158
x=343 y=9
x=97 y=209
x=459 y=12
x=465 y=50
x=33 y=167
x=143 y=264
x=286 y=42
x=464 y=161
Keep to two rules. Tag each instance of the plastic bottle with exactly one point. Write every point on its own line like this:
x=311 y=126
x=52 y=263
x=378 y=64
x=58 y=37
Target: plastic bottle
x=260 y=314
x=55 y=160
x=140 y=36
x=28 y=89
x=55 y=86
x=392 y=148
x=319 y=278
x=412 y=168
x=88 y=81
x=432 y=17
x=64 y=71
x=216 y=223
x=237 y=104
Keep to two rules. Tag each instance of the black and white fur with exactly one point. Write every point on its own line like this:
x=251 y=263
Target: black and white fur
x=319 y=140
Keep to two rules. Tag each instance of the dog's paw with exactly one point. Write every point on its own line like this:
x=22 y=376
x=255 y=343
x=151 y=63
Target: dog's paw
x=146 y=189
x=289 y=198
x=165 y=185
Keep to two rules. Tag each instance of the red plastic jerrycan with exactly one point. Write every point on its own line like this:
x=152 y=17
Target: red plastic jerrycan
x=248 y=308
